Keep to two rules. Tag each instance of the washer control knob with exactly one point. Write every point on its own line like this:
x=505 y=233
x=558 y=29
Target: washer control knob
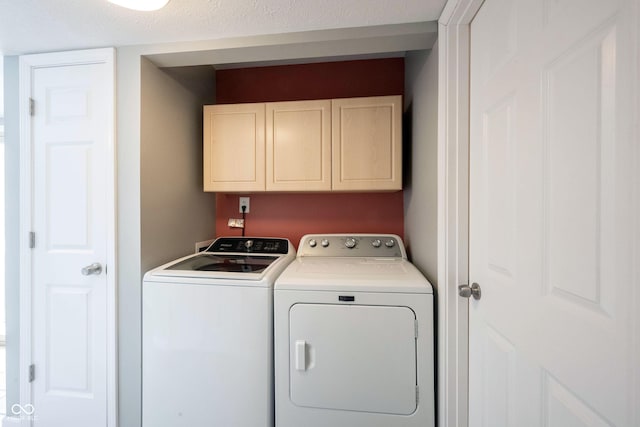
x=324 y=243
x=350 y=243
x=376 y=243
x=390 y=243
x=312 y=243
x=248 y=244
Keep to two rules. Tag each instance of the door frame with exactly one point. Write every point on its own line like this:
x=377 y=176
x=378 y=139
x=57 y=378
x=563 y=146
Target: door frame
x=28 y=63
x=453 y=210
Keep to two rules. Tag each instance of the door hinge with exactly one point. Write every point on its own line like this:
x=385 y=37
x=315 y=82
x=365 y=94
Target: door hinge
x=32 y=240
x=32 y=373
x=32 y=107
x=416 y=328
x=417 y=395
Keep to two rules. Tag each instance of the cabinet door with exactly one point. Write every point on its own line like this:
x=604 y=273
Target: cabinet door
x=298 y=146
x=367 y=143
x=234 y=147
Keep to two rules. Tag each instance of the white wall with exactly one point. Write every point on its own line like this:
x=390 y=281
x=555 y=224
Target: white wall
x=420 y=194
x=2 y=232
x=2 y=259
x=12 y=224
x=176 y=211
x=1 y=86
x=128 y=246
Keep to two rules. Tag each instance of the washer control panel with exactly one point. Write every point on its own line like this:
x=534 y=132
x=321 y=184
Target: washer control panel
x=250 y=245
x=352 y=245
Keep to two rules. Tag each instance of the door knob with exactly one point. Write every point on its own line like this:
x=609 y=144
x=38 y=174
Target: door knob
x=467 y=291
x=95 y=268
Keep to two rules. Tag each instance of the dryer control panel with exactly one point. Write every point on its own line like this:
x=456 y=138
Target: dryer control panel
x=352 y=245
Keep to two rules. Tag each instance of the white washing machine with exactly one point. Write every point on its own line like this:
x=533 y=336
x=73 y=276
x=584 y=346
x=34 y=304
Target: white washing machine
x=208 y=336
x=354 y=340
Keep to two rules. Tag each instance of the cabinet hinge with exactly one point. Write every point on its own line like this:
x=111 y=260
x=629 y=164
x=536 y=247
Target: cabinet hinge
x=416 y=328
x=32 y=373
x=32 y=240
x=32 y=107
x=417 y=395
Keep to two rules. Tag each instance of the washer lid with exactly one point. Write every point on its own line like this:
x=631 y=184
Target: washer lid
x=204 y=267
x=353 y=274
x=225 y=263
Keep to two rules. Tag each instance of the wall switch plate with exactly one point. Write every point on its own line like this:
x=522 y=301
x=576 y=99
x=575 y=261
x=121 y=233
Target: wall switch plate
x=236 y=223
x=244 y=201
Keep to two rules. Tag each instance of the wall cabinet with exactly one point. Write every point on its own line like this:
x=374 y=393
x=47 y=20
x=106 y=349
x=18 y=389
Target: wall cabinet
x=367 y=143
x=298 y=146
x=234 y=148
x=351 y=144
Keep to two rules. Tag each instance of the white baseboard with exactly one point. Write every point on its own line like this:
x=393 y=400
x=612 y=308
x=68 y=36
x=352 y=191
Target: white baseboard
x=11 y=422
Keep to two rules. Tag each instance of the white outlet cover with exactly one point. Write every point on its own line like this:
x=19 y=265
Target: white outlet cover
x=244 y=201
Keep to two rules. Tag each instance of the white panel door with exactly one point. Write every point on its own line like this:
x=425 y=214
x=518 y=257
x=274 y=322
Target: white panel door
x=70 y=131
x=552 y=214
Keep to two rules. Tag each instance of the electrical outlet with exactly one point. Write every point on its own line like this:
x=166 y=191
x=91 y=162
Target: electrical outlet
x=244 y=201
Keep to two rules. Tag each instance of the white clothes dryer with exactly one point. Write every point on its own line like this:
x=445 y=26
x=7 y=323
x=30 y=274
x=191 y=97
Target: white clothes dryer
x=207 y=335
x=353 y=322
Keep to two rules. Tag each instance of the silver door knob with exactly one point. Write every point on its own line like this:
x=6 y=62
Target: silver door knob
x=95 y=268
x=467 y=291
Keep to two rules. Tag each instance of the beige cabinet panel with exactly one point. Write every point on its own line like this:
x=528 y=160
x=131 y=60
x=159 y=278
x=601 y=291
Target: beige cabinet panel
x=234 y=147
x=367 y=143
x=298 y=142
x=351 y=144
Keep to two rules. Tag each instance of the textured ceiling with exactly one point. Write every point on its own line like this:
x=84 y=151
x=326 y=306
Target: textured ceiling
x=30 y=26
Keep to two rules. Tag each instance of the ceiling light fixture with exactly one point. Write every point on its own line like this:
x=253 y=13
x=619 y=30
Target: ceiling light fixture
x=145 y=5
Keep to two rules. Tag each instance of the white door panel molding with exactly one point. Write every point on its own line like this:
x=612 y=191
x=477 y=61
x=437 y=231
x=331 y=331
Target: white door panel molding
x=67 y=185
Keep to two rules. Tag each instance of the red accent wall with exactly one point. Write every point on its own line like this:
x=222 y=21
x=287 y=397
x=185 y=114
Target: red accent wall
x=326 y=80
x=292 y=215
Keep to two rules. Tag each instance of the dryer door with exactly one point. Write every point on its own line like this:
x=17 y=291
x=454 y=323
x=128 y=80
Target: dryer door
x=353 y=357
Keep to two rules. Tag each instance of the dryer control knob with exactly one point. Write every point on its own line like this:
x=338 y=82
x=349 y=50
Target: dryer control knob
x=390 y=243
x=324 y=243
x=350 y=243
x=376 y=243
x=312 y=243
